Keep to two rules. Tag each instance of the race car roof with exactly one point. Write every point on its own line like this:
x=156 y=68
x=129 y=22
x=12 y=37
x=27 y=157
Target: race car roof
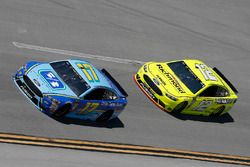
x=90 y=74
x=205 y=73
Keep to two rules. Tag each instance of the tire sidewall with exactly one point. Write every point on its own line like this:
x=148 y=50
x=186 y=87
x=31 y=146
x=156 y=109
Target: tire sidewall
x=62 y=111
x=105 y=117
x=218 y=113
x=178 y=109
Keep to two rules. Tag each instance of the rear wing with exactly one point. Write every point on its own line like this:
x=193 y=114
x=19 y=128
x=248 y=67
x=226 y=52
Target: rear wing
x=119 y=87
x=226 y=80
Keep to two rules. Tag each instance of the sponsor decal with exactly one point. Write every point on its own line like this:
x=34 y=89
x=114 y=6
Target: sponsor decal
x=148 y=90
x=111 y=104
x=119 y=104
x=104 y=103
x=75 y=105
x=164 y=83
x=171 y=79
x=54 y=105
x=52 y=79
x=224 y=101
x=26 y=92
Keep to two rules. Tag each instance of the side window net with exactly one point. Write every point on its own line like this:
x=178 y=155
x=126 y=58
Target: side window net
x=214 y=91
x=101 y=94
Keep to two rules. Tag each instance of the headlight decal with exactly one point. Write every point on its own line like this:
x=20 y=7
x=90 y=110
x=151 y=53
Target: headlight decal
x=145 y=68
x=171 y=97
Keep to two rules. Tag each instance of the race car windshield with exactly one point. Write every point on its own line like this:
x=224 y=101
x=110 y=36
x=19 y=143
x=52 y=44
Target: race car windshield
x=69 y=75
x=184 y=73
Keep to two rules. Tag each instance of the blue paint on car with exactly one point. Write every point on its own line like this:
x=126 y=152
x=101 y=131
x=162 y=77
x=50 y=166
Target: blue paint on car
x=88 y=91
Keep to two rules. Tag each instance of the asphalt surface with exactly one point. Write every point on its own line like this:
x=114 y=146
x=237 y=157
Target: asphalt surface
x=215 y=31
x=23 y=156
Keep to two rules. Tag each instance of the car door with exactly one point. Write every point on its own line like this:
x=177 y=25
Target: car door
x=207 y=101
x=99 y=99
x=90 y=102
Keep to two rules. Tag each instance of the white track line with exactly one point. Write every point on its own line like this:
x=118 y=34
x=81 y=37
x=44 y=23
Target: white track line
x=76 y=54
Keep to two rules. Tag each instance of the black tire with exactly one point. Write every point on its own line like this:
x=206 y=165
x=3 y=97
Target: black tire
x=104 y=117
x=181 y=106
x=62 y=111
x=219 y=111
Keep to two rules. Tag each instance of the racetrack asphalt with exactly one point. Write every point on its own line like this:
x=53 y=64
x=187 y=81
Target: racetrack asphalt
x=215 y=31
x=23 y=156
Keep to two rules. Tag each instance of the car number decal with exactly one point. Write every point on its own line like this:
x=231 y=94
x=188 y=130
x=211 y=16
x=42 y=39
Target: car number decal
x=203 y=105
x=89 y=72
x=207 y=74
x=89 y=108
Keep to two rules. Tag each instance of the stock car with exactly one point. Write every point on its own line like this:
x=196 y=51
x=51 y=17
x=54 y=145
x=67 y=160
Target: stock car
x=186 y=87
x=71 y=88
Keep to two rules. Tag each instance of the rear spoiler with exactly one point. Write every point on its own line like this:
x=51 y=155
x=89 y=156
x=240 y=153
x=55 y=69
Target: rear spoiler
x=115 y=82
x=226 y=80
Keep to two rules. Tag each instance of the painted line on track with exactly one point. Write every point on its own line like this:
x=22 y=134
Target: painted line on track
x=122 y=148
x=75 y=54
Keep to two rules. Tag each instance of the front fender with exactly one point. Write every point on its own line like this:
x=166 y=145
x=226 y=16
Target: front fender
x=53 y=102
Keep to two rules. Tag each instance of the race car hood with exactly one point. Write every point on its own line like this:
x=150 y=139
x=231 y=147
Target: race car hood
x=47 y=80
x=166 y=80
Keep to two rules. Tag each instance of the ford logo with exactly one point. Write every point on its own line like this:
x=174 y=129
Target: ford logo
x=36 y=82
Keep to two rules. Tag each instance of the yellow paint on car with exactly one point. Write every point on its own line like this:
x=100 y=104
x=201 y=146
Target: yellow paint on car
x=167 y=88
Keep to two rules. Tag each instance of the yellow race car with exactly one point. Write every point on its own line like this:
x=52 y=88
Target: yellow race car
x=186 y=86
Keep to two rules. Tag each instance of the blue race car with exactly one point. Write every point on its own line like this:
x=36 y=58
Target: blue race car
x=71 y=88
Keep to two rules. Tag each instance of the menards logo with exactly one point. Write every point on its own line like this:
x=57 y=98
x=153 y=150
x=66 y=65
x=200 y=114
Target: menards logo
x=172 y=80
